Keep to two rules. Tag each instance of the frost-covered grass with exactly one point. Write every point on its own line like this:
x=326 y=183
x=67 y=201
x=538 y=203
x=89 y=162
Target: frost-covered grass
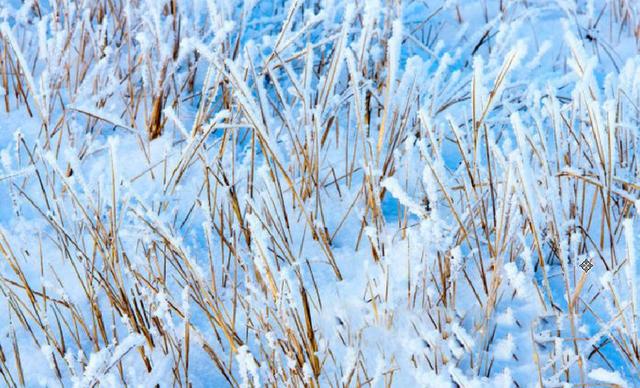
x=319 y=193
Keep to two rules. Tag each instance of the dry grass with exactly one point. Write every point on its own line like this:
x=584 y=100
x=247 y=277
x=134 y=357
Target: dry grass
x=241 y=214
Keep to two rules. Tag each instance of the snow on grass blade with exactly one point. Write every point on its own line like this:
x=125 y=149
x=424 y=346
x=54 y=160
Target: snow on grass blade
x=319 y=193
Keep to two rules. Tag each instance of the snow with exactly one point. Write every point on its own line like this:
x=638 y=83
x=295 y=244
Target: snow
x=248 y=368
x=605 y=376
x=341 y=193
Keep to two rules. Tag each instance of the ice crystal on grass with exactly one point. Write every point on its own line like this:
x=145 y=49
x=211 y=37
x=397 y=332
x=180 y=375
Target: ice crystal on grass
x=319 y=193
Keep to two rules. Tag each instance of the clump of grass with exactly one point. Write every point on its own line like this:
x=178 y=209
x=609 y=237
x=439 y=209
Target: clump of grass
x=196 y=197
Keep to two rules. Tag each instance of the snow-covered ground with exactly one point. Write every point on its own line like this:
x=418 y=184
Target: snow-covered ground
x=319 y=193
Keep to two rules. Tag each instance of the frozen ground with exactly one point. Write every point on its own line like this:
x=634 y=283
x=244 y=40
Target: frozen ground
x=319 y=193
